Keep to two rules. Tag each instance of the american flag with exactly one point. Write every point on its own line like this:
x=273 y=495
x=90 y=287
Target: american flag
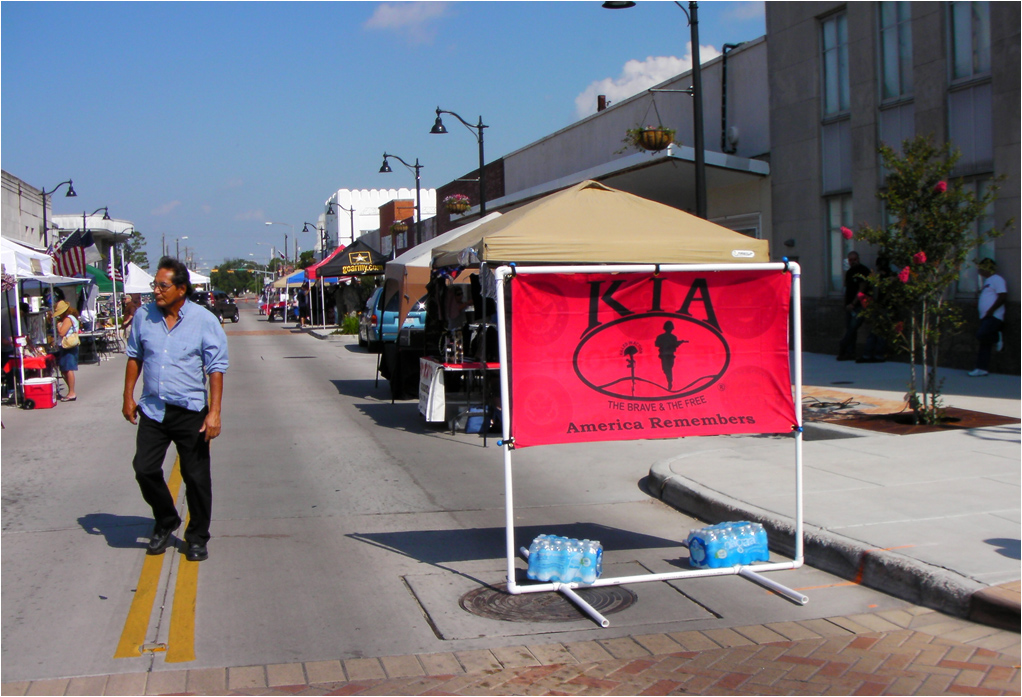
x=113 y=271
x=70 y=258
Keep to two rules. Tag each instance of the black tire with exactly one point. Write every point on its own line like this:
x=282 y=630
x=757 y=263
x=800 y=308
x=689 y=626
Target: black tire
x=219 y=317
x=28 y=404
x=362 y=342
x=235 y=317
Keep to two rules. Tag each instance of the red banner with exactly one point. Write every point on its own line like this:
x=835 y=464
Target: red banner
x=601 y=356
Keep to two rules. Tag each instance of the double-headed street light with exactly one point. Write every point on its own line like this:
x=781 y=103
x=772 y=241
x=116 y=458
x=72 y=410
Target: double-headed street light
x=438 y=128
x=70 y=194
x=351 y=213
x=385 y=169
x=692 y=13
x=322 y=237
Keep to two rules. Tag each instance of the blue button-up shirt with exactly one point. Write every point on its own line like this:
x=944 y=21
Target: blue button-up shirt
x=175 y=362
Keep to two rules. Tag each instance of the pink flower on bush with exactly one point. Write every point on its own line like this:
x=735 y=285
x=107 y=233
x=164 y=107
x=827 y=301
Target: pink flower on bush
x=940 y=187
x=846 y=233
x=904 y=274
x=919 y=257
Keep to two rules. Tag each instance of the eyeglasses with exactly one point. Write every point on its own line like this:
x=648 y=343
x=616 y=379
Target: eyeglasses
x=162 y=287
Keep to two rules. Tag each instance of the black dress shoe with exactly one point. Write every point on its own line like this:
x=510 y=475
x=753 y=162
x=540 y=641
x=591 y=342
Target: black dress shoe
x=160 y=539
x=196 y=552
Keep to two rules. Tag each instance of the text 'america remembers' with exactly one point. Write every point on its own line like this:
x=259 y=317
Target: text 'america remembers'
x=632 y=356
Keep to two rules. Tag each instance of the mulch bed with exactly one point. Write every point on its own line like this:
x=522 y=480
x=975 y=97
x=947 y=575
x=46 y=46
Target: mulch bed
x=900 y=424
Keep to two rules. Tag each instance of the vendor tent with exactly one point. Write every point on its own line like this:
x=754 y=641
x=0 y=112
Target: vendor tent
x=593 y=223
x=197 y=279
x=408 y=274
x=358 y=259
x=295 y=280
x=137 y=280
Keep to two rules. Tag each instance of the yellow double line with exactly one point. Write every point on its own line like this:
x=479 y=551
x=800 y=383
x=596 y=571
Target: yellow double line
x=180 y=646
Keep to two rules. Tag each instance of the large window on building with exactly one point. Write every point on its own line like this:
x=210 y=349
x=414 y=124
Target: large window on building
x=968 y=280
x=835 y=65
x=838 y=214
x=970 y=102
x=970 y=39
x=895 y=50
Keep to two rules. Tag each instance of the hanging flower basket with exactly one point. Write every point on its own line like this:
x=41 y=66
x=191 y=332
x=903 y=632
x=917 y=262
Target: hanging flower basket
x=457 y=203
x=651 y=138
x=399 y=227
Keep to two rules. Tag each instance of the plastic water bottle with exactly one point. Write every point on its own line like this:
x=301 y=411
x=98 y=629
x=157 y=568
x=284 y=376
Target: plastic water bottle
x=592 y=561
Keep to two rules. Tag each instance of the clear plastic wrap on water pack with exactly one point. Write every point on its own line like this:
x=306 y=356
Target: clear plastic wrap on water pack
x=727 y=544
x=565 y=560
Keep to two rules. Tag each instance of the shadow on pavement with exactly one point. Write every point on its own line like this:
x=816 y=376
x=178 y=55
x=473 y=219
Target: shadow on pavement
x=1007 y=547
x=120 y=531
x=363 y=389
x=477 y=544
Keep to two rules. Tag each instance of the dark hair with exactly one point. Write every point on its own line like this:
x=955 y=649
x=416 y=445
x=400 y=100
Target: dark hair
x=180 y=277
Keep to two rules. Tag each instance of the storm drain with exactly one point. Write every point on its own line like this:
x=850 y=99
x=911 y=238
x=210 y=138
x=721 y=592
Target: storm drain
x=497 y=604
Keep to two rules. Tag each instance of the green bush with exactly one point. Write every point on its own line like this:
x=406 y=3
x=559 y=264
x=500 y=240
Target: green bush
x=349 y=325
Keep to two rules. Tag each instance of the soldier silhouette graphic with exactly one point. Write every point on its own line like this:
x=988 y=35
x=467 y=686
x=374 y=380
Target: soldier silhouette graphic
x=667 y=346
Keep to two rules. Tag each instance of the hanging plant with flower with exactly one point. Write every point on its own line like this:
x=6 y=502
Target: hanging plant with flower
x=398 y=226
x=920 y=259
x=648 y=138
x=457 y=203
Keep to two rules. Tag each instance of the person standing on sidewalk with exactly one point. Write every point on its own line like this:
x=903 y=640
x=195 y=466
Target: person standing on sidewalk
x=993 y=295
x=175 y=345
x=855 y=290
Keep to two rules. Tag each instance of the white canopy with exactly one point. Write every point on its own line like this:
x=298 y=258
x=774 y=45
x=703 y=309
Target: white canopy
x=408 y=274
x=26 y=264
x=137 y=280
x=197 y=278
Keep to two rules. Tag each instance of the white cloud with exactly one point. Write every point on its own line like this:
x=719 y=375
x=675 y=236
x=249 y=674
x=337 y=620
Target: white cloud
x=744 y=11
x=412 y=20
x=166 y=208
x=637 y=76
x=256 y=214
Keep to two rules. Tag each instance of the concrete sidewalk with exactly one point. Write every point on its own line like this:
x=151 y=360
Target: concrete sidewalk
x=931 y=518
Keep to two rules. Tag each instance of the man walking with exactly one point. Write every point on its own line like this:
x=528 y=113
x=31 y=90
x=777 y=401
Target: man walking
x=175 y=345
x=993 y=295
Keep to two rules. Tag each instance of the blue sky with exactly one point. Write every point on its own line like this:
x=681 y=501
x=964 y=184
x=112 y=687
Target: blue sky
x=207 y=119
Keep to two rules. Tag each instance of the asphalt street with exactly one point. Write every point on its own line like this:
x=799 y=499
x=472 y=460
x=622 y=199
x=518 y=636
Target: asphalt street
x=343 y=527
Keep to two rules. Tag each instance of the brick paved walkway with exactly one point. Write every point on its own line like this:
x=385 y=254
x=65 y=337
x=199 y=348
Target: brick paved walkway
x=902 y=652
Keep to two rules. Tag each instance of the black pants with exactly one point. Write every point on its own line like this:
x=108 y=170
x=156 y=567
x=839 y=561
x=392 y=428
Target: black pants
x=181 y=427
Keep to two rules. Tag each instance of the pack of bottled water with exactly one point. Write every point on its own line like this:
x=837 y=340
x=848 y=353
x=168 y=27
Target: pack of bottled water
x=727 y=544
x=565 y=560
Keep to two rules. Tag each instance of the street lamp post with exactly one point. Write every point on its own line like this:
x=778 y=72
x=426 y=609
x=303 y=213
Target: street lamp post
x=351 y=212
x=692 y=13
x=70 y=194
x=438 y=128
x=177 y=247
x=385 y=169
x=320 y=233
x=273 y=222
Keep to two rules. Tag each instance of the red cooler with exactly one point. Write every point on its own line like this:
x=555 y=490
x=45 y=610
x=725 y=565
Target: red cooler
x=42 y=391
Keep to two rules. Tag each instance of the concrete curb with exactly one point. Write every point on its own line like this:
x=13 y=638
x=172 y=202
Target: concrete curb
x=890 y=572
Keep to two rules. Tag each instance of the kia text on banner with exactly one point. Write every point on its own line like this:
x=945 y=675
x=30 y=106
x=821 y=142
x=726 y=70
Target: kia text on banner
x=630 y=356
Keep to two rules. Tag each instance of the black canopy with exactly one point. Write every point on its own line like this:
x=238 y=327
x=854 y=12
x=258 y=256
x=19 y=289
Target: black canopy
x=358 y=259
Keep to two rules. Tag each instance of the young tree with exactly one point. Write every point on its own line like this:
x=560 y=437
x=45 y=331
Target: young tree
x=134 y=250
x=923 y=249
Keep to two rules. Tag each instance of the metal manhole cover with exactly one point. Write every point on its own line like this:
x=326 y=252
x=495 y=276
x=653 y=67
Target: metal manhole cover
x=497 y=604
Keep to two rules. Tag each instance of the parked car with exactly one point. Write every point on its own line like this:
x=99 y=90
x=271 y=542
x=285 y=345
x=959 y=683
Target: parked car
x=375 y=318
x=219 y=303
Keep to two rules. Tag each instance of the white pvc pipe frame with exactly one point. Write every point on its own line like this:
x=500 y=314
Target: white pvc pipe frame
x=752 y=573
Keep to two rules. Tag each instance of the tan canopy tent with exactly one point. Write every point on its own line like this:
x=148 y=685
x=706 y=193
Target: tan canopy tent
x=408 y=274
x=593 y=223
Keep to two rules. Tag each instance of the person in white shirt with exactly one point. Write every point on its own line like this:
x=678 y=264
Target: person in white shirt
x=993 y=295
